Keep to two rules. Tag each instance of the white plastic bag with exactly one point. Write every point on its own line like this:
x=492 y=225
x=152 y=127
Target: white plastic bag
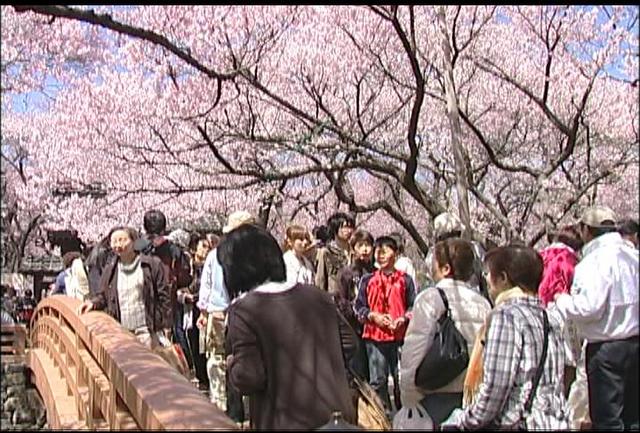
x=453 y=422
x=412 y=418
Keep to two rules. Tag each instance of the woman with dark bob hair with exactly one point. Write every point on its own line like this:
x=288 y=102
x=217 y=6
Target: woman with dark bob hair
x=284 y=339
x=501 y=380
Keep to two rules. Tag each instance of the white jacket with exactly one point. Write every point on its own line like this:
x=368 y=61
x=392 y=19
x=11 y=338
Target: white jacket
x=77 y=282
x=298 y=270
x=404 y=264
x=468 y=311
x=604 y=295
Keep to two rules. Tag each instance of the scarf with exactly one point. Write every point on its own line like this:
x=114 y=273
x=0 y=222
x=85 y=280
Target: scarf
x=129 y=268
x=474 y=375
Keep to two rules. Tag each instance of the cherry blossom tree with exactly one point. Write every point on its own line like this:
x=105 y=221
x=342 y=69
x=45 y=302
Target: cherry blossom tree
x=26 y=190
x=295 y=112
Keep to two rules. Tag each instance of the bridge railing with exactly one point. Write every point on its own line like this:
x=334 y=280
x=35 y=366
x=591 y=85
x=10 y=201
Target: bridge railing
x=93 y=374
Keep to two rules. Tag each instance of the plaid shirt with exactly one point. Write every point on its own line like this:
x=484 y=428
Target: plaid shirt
x=511 y=355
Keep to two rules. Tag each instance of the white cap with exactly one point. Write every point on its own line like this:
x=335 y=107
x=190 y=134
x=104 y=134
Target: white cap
x=236 y=219
x=446 y=223
x=595 y=216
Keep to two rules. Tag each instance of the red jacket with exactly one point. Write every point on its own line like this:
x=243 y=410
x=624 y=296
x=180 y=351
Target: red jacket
x=387 y=294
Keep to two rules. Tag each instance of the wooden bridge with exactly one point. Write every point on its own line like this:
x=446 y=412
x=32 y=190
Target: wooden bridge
x=92 y=374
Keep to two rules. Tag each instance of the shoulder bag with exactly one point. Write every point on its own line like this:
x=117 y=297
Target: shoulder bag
x=544 y=416
x=448 y=355
x=536 y=379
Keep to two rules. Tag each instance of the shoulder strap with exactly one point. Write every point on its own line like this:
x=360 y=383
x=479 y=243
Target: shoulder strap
x=536 y=379
x=445 y=301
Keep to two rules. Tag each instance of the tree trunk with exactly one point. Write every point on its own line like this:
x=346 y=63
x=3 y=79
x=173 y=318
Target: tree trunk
x=24 y=239
x=462 y=187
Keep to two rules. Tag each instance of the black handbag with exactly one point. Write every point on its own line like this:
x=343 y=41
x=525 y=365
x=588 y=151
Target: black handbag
x=448 y=355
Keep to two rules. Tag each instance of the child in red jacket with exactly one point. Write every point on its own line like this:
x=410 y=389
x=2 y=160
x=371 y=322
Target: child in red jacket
x=384 y=302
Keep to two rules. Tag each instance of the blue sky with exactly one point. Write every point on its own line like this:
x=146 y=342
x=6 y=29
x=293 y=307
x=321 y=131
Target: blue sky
x=37 y=101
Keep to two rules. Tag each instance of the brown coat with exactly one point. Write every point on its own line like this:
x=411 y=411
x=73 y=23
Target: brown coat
x=155 y=293
x=330 y=260
x=287 y=357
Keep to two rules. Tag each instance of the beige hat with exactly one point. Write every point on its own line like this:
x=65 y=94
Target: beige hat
x=236 y=219
x=596 y=216
x=446 y=223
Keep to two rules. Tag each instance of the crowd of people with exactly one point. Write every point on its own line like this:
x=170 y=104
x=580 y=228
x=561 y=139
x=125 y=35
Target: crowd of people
x=293 y=326
x=17 y=308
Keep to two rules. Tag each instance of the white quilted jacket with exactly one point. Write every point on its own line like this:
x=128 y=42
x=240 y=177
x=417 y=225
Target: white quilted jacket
x=468 y=310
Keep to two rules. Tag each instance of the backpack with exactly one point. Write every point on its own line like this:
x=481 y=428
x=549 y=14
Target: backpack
x=448 y=355
x=177 y=268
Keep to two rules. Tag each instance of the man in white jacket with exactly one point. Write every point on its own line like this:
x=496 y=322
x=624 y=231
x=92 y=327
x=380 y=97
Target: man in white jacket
x=604 y=307
x=404 y=263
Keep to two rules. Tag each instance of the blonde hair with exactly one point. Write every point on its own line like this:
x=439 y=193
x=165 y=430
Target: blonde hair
x=292 y=233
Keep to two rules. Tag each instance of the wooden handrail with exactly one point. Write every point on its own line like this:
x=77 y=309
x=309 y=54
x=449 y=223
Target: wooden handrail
x=108 y=378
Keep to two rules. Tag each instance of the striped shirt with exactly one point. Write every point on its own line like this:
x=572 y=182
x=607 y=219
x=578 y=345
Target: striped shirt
x=511 y=356
x=130 y=280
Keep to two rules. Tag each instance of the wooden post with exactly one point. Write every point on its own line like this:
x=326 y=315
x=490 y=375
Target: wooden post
x=37 y=286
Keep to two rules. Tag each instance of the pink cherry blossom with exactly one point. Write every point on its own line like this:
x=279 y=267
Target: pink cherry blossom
x=317 y=109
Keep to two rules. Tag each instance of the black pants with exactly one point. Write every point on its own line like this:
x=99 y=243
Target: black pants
x=440 y=405
x=612 y=374
x=199 y=359
x=190 y=342
x=359 y=363
x=180 y=336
